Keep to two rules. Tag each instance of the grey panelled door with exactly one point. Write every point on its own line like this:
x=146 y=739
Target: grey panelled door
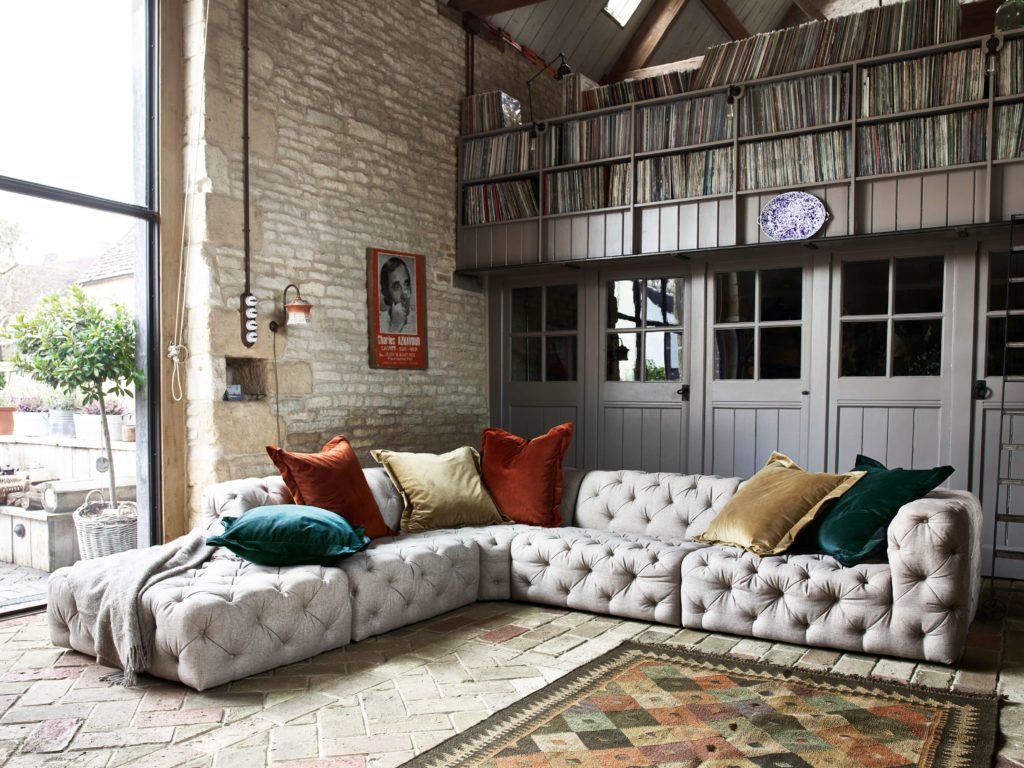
x=542 y=376
x=893 y=396
x=992 y=296
x=758 y=363
x=643 y=413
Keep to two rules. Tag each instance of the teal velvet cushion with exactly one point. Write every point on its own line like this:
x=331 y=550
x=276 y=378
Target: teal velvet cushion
x=856 y=524
x=290 y=534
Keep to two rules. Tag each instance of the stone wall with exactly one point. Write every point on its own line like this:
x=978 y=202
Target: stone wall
x=354 y=113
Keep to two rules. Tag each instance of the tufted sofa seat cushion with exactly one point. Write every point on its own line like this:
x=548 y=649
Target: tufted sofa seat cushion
x=660 y=505
x=227 y=619
x=399 y=581
x=803 y=599
x=632 y=576
x=919 y=604
x=494 y=543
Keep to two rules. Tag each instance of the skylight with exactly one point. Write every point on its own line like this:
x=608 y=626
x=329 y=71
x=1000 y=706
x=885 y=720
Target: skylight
x=621 y=10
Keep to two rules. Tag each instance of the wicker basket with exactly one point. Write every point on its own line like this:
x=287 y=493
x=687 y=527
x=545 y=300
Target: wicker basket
x=104 y=530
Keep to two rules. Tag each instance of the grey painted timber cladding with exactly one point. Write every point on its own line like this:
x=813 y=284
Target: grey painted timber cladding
x=534 y=419
x=644 y=437
x=744 y=436
x=896 y=435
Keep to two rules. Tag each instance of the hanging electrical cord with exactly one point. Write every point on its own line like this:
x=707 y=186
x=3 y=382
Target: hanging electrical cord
x=277 y=397
x=176 y=349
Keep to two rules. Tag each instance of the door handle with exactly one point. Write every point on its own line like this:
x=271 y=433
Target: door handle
x=981 y=390
x=684 y=392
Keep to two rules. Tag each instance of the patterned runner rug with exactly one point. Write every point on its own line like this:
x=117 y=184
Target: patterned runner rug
x=643 y=705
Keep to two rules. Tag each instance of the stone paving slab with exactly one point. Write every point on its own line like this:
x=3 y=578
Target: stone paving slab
x=380 y=702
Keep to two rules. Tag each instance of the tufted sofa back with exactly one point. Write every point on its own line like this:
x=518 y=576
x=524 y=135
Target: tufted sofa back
x=667 y=506
x=662 y=505
x=234 y=497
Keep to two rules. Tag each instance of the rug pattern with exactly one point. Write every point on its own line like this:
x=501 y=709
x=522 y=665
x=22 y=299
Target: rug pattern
x=645 y=705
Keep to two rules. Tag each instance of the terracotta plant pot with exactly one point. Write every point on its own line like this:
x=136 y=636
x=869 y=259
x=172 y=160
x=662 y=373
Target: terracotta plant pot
x=7 y=419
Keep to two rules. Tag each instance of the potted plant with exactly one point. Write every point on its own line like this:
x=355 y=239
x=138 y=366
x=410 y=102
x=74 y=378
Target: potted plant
x=7 y=408
x=32 y=417
x=62 y=413
x=88 y=420
x=73 y=344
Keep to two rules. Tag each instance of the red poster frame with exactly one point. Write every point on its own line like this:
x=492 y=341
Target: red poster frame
x=405 y=346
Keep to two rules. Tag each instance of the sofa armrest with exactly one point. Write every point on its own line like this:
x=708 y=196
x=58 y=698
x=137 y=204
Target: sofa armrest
x=934 y=548
x=234 y=497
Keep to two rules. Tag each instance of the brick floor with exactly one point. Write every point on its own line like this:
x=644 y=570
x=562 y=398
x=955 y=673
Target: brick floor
x=380 y=702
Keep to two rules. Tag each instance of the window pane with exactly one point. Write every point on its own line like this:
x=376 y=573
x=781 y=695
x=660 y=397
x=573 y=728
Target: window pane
x=780 y=353
x=734 y=354
x=663 y=355
x=625 y=303
x=917 y=348
x=863 y=349
x=997 y=283
x=623 y=360
x=865 y=288
x=561 y=358
x=782 y=294
x=526 y=310
x=734 y=297
x=665 y=302
x=526 y=358
x=561 y=308
x=994 y=352
x=917 y=285
x=73 y=94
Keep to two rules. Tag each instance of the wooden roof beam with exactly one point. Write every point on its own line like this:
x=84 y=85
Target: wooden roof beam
x=726 y=19
x=645 y=40
x=810 y=9
x=484 y=8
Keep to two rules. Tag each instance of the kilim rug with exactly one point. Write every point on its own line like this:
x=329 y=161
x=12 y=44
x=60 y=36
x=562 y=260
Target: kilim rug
x=643 y=705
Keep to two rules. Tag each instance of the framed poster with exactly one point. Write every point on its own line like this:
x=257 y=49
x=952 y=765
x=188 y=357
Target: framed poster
x=397 y=300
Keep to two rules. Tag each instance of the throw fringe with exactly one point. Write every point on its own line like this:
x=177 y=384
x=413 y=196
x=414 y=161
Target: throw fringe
x=137 y=661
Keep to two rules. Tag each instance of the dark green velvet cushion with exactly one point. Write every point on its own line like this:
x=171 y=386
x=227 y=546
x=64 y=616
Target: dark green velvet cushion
x=856 y=524
x=290 y=534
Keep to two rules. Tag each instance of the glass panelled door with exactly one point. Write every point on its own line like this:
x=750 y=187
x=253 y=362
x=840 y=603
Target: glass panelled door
x=541 y=377
x=892 y=387
x=757 y=389
x=643 y=413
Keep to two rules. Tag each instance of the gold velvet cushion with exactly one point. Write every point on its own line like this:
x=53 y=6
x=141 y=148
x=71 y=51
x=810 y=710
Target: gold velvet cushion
x=440 y=490
x=769 y=509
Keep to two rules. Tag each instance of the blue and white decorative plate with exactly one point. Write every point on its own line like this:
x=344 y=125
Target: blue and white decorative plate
x=792 y=216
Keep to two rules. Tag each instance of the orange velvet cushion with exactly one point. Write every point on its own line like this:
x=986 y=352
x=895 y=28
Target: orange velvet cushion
x=332 y=479
x=524 y=477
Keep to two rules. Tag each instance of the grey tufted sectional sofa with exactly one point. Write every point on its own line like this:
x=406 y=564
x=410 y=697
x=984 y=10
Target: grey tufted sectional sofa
x=624 y=551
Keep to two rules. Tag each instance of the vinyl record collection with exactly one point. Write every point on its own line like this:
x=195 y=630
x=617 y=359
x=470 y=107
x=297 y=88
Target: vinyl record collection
x=501 y=201
x=1009 y=131
x=700 y=120
x=578 y=141
x=1011 y=68
x=497 y=155
x=929 y=81
x=795 y=160
x=586 y=189
x=490 y=111
x=675 y=177
x=628 y=91
x=874 y=32
x=787 y=105
x=918 y=143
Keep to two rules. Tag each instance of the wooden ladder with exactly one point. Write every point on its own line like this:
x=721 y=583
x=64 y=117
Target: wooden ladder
x=1009 y=508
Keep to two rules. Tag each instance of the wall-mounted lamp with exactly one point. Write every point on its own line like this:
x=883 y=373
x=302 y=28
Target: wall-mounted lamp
x=563 y=70
x=297 y=312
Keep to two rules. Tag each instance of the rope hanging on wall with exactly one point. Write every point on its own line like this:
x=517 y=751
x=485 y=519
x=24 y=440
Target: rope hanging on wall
x=247 y=301
x=176 y=349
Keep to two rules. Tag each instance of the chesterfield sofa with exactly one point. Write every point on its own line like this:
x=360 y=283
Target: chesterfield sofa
x=624 y=550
